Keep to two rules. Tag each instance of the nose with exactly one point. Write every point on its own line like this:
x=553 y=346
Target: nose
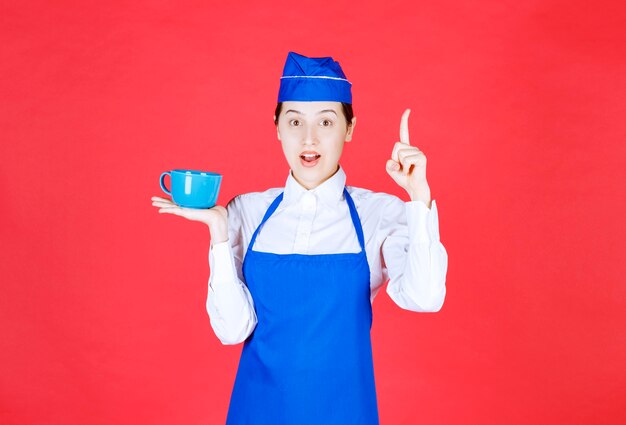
x=310 y=135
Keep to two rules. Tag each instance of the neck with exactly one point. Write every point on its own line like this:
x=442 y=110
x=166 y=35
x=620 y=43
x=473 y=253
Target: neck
x=308 y=185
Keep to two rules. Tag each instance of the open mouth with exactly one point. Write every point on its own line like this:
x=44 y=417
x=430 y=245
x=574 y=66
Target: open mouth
x=309 y=157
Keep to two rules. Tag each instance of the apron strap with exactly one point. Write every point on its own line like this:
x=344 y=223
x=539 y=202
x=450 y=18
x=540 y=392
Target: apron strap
x=267 y=215
x=353 y=214
x=355 y=219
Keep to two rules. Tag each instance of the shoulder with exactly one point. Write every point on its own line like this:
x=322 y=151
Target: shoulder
x=253 y=203
x=380 y=201
x=380 y=212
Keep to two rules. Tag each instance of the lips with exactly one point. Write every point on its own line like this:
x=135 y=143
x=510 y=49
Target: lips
x=309 y=158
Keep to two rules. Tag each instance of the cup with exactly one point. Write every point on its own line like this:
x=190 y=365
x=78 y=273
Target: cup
x=192 y=188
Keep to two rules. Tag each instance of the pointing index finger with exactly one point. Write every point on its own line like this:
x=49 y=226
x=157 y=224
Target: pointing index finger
x=404 y=127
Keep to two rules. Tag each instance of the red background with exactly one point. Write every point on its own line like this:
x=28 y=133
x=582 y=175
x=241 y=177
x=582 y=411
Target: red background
x=519 y=107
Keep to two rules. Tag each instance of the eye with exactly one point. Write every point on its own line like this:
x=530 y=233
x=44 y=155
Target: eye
x=294 y=122
x=326 y=123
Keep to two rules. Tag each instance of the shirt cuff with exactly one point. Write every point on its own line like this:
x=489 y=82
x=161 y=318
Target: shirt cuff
x=223 y=265
x=423 y=222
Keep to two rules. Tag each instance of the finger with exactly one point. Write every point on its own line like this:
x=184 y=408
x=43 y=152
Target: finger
x=175 y=211
x=404 y=127
x=399 y=146
x=417 y=160
x=158 y=198
x=401 y=150
x=392 y=166
x=163 y=204
x=162 y=201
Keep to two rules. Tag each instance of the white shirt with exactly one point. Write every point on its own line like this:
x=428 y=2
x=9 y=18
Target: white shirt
x=401 y=243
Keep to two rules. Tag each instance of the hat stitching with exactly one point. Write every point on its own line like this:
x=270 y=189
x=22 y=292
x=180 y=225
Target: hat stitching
x=316 y=76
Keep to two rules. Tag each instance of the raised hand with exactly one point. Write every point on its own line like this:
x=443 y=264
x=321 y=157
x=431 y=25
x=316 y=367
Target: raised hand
x=407 y=166
x=215 y=218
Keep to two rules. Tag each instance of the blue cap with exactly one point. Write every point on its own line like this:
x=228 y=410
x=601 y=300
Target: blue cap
x=313 y=79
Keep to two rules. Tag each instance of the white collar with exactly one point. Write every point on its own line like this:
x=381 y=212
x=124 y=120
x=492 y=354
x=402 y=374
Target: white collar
x=330 y=192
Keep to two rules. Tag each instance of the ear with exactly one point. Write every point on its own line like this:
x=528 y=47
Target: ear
x=277 y=132
x=350 y=129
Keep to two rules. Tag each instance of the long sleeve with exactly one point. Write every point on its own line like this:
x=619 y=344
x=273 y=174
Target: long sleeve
x=414 y=259
x=229 y=303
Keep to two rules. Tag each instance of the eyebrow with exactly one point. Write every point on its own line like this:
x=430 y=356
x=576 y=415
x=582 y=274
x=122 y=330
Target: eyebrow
x=302 y=113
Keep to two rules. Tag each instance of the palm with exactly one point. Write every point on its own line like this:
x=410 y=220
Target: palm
x=207 y=216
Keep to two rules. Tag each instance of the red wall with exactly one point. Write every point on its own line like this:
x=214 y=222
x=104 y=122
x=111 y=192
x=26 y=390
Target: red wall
x=519 y=107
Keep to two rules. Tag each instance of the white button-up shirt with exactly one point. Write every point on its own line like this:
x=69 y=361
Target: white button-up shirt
x=401 y=243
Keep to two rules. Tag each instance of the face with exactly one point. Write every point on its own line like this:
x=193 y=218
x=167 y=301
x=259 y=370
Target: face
x=312 y=136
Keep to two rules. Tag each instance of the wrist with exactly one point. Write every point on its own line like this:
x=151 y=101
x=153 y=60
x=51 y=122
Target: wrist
x=423 y=196
x=219 y=231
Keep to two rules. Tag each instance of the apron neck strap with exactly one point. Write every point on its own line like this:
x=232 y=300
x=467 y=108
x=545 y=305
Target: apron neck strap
x=353 y=214
x=267 y=215
x=355 y=219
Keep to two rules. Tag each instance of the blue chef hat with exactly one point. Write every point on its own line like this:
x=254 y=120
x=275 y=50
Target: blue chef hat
x=311 y=79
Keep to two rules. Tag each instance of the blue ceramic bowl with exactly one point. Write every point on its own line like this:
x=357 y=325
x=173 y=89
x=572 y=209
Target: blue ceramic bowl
x=192 y=188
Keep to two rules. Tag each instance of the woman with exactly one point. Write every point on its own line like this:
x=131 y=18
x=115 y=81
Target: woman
x=294 y=270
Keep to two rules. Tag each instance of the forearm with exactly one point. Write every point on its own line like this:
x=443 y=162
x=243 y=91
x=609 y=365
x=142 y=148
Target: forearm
x=229 y=303
x=419 y=284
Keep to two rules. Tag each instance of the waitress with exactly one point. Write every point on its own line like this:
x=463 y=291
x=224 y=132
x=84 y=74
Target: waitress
x=294 y=270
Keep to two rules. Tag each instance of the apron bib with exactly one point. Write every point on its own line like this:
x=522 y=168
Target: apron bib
x=309 y=359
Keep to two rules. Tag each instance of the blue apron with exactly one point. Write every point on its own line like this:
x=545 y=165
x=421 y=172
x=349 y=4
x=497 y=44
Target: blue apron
x=309 y=359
